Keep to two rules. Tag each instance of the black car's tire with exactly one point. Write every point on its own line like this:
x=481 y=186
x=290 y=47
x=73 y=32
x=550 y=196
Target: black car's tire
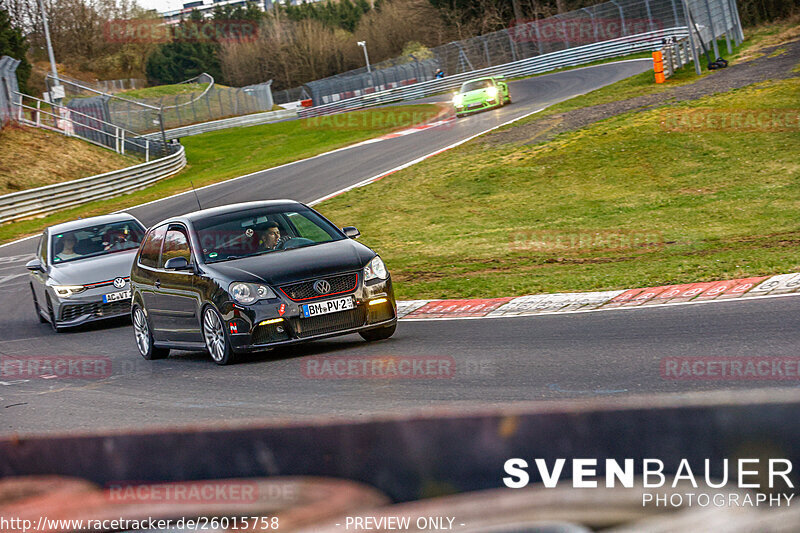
x=144 y=336
x=52 y=316
x=42 y=319
x=216 y=338
x=378 y=334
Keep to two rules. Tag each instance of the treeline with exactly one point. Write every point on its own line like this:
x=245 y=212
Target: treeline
x=79 y=36
x=293 y=44
x=292 y=52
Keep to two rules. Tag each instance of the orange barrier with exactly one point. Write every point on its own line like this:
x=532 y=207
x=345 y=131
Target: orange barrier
x=658 y=66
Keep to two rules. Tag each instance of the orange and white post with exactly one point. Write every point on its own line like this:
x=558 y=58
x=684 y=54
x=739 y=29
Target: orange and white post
x=658 y=66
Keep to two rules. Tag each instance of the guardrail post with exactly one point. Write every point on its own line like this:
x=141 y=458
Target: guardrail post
x=38 y=113
x=123 y=142
x=147 y=151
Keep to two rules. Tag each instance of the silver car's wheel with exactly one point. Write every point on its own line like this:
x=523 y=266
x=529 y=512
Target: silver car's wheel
x=216 y=341
x=144 y=337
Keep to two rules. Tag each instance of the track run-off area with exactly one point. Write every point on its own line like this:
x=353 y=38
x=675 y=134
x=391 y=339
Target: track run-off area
x=579 y=356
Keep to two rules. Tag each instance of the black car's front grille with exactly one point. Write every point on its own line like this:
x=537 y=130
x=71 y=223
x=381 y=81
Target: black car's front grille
x=304 y=290
x=70 y=312
x=330 y=323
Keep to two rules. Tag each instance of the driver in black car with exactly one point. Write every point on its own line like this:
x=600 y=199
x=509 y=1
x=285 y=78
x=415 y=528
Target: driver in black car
x=271 y=237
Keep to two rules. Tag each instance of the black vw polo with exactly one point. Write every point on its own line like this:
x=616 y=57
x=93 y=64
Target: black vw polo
x=252 y=276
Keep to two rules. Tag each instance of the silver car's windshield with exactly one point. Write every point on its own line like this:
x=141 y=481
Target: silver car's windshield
x=255 y=232
x=97 y=240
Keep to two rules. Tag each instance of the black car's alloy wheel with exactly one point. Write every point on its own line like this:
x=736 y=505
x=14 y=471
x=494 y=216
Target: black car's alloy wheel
x=144 y=336
x=378 y=334
x=215 y=337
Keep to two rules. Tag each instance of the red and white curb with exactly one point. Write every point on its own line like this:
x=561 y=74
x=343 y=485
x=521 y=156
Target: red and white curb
x=592 y=301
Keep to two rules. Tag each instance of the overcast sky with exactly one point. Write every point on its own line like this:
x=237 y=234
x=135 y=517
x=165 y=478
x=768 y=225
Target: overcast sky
x=161 y=5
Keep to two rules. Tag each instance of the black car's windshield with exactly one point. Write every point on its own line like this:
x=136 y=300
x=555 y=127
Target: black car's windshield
x=97 y=240
x=475 y=85
x=260 y=231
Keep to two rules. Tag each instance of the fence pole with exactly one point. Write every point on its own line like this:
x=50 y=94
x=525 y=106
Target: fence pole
x=675 y=13
x=621 y=16
x=727 y=27
x=38 y=113
x=692 y=44
x=735 y=11
x=649 y=15
x=711 y=28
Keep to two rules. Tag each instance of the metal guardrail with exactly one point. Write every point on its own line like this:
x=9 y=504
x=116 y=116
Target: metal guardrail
x=43 y=200
x=565 y=58
x=233 y=122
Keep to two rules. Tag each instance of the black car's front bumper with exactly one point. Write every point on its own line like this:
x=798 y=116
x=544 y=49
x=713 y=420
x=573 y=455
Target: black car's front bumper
x=271 y=324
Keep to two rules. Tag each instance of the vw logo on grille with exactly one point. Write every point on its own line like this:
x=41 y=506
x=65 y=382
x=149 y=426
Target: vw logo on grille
x=119 y=282
x=322 y=286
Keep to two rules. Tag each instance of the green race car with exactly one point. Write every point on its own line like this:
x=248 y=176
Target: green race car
x=481 y=93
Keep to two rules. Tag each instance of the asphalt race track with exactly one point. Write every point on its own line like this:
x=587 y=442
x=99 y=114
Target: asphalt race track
x=580 y=356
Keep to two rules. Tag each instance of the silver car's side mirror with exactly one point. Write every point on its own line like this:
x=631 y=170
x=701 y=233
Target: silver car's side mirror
x=351 y=232
x=35 y=265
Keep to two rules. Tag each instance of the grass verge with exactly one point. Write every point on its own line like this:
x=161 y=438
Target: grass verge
x=622 y=203
x=221 y=155
x=28 y=160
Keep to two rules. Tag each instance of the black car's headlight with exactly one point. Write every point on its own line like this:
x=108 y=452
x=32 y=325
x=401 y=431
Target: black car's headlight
x=375 y=269
x=247 y=293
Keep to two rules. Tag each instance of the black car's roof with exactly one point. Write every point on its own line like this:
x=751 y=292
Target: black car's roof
x=91 y=221
x=231 y=208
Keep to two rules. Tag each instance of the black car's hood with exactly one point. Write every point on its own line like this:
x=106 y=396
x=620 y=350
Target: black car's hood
x=278 y=268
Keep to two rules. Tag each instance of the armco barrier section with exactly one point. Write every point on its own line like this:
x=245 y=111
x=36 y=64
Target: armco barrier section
x=233 y=122
x=565 y=58
x=453 y=449
x=43 y=200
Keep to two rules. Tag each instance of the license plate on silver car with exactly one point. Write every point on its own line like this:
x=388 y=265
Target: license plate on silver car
x=328 y=306
x=116 y=296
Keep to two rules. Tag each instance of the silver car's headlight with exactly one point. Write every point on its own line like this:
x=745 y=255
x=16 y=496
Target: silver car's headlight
x=65 y=291
x=247 y=293
x=375 y=269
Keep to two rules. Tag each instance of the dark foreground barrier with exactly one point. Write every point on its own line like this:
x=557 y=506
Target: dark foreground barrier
x=444 y=451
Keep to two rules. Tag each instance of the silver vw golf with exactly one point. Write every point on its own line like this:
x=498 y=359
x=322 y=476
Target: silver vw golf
x=81 y=272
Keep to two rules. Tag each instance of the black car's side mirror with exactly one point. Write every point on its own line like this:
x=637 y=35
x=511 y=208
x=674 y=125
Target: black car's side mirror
x=351 y=232
x=177 y=263
x=35 y=265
